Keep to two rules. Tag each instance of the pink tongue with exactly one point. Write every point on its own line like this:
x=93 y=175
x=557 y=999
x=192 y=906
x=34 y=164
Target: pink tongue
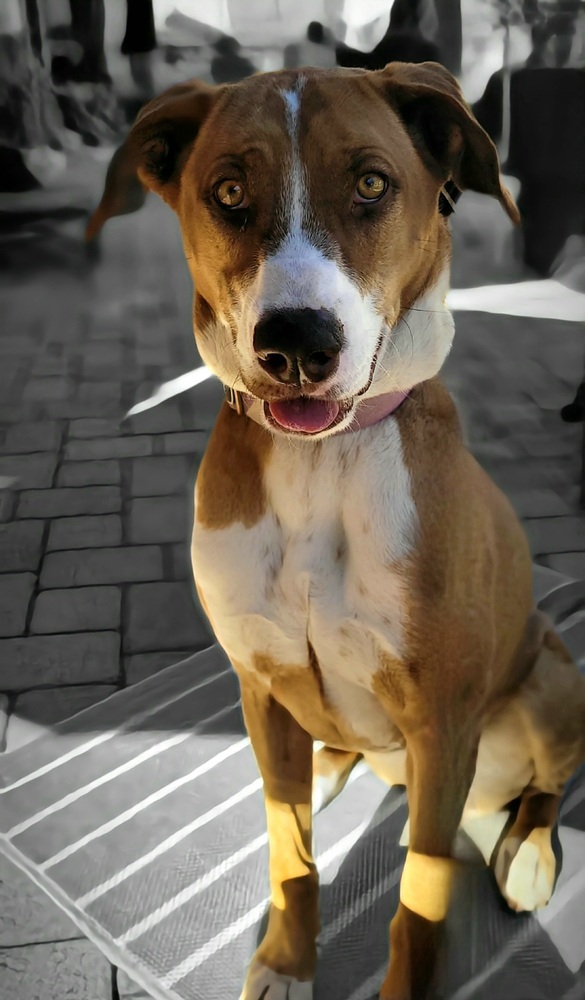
x=308 y=415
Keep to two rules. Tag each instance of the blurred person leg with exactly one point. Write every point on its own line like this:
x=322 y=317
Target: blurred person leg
x=139 y=43
x=88 y=19
x=30 y=117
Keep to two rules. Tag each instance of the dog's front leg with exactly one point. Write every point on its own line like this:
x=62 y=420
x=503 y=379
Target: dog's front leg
x=440 y=767
x=284 y=964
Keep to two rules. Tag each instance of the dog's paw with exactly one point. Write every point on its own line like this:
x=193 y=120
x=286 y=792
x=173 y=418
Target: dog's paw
x=263 y=983
x=526 y=870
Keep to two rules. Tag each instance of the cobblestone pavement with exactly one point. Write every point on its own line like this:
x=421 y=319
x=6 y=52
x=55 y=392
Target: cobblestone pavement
x=95 y=588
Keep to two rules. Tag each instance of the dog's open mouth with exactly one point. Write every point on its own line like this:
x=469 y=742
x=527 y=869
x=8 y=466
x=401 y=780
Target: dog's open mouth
x=315 y=414
x=306 y=414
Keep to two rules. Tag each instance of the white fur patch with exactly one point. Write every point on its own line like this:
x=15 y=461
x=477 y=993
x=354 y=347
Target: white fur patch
x=295 y=202
x=330 y=778
x=418 y=345
x=263 y=983
x=292 y=99
x=389 y=766
x=301 y=276
x=485 y=831
x=325 y=789
x=530 y=879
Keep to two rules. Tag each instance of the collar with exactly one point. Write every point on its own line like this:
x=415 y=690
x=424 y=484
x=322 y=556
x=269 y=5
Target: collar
x=368 y=411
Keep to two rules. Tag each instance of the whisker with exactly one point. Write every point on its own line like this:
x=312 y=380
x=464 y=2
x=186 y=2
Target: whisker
x=391 y=377
x=421 y=309
x=408 y=327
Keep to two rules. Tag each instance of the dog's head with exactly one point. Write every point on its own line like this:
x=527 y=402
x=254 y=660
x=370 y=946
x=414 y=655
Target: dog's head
x=309 y=209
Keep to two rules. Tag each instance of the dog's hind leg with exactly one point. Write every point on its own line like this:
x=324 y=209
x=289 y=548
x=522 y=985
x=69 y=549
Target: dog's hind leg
x=331 y=769
x=552 y=707
x=525 y=864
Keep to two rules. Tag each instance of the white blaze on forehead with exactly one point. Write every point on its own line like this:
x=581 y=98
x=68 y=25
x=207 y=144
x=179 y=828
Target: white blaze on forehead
x=292 y=99
x=294 y=202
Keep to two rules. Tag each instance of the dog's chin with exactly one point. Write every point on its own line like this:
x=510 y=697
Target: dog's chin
x=308 y=416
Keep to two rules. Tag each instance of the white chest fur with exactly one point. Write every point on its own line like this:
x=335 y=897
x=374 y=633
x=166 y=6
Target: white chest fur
x=320 y=569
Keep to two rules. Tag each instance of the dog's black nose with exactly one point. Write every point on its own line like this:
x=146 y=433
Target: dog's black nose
x=291 y=343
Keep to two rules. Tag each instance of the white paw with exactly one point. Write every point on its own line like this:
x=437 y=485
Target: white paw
x=529 y=881
x=264 y=984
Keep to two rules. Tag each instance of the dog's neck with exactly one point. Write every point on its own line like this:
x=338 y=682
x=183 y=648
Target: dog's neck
x=368 y=412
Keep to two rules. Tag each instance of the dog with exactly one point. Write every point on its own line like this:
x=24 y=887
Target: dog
x=369 y=583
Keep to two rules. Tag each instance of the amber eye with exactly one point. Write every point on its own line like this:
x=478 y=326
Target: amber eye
x=230 y=194
x=371 y=187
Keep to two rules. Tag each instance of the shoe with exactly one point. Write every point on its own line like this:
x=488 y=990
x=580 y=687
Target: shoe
x=573 y=413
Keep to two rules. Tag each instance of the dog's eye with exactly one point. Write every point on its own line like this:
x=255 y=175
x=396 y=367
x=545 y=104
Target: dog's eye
x=230 y=194
x=371 y=187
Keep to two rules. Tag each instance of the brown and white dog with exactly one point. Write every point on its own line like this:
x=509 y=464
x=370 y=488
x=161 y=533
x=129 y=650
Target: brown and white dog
x=369 y=583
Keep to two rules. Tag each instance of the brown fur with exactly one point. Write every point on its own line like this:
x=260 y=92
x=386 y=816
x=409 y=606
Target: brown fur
x=230 y=484
x=284 y=752
x=301 y=692
x=473 y=567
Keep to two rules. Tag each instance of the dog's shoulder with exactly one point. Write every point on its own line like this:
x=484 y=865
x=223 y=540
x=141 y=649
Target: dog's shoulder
x=230 y=484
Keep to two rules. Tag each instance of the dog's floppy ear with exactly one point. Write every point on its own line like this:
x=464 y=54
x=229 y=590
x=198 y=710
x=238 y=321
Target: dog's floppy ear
x=441 y=125
x=153 y=154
